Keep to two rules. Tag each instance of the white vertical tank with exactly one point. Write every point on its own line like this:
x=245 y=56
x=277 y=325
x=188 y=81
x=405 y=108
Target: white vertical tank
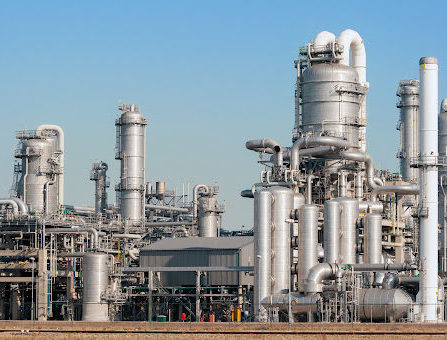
x=131 y=151
x=95 y=275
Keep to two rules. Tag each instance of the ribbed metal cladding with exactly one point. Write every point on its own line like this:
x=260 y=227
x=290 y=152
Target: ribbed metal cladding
x=348 y=218
x=131 y=150
x=408 y=104
x=373 y=238
x=262 y=250
x=281 y=208
x=331 y=233
x=95 y=280
x=307 y=241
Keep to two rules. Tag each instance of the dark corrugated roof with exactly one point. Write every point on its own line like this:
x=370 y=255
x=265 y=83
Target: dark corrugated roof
x=193 y=243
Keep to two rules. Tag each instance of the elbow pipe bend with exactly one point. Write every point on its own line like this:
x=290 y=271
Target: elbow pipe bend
x=407 y=189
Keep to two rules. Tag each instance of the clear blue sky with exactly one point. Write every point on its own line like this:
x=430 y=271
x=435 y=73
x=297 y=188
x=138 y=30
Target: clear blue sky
x=208 y=75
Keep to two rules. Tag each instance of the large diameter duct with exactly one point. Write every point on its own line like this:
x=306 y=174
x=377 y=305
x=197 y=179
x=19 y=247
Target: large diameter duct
x=442 y=147
x=331 y=233
x=96 y=280
x=373 y=238
x=428 y=71
x=377 y=304
x=408 y=93
x=348 y=219
x=281 y=208
x=307 y=241
x=354 y=48
x=262 y=251
x=131 y=151
x=99 y=175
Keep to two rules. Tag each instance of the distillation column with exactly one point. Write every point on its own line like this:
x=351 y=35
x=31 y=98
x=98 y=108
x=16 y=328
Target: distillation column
x=428 y=70
x=99 y=175
x=408 y=104
x=442 y=147
x=131 y=151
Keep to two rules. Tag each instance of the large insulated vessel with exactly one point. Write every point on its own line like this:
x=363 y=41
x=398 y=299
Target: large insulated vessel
x=442 y=147
x=262 y=251
x=99 y=175
x=131 y=150
x=282 y=205
x=408 y=103
x=95 y=279
x=331 y=97
x=39 y=170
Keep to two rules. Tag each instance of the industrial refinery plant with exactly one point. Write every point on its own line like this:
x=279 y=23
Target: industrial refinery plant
x=334 y=238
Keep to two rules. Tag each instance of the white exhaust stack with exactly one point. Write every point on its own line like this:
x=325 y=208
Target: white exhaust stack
x=428 y=72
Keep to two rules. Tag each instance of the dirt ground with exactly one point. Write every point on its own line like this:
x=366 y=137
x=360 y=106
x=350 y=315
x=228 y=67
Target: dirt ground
x=52 y=330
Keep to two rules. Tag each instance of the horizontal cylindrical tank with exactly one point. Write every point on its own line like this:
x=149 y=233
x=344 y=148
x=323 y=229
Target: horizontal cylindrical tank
x=281 y=208
x=262 y=251
x=377 y=304
x=373 y=238
x=96 y=279
x=307 y=241
x=331 y=99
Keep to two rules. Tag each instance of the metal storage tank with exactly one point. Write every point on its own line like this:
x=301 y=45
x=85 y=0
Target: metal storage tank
x=131 y=151
x=99 y=175
x=201 y=252
x=331 y=100
x=349 y=213
x=38 y=171
x=95 y=279
x=408 y=103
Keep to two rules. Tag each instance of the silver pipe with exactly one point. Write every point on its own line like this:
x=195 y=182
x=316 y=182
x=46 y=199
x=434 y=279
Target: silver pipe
x=359 y=186
x=307 y=241
x=22 y=206
x=247 y=193
x=298 y=303
x=342 y=184
x=168 y=224
x=406 y=189
x=306 y=142
x=76 y=230
x=266 y=144
x=262 y=250
x=316 y=275
x=47 y=195
x=372 y=207
x=165 y=207
x=309 y=189
x=195 y=194
x=373 y=238
x=12 y=203
x=331 y=232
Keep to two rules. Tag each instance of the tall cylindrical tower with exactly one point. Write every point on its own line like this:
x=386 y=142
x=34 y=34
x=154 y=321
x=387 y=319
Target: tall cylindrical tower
x=408 y=103
x=99 y=175
x=428 y=71
x=131 y=151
